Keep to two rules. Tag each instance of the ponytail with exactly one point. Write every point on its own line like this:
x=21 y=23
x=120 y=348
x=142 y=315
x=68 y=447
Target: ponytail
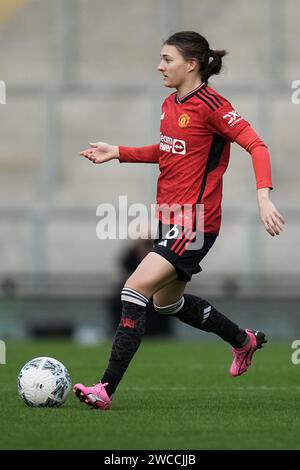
x=214 y=65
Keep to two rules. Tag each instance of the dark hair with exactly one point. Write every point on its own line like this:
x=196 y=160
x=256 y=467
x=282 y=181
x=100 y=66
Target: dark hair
x=192 y=45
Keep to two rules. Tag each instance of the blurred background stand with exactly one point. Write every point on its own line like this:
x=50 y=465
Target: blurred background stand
x=68 y=84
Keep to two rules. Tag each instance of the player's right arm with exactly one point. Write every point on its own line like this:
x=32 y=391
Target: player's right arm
x=100 y=152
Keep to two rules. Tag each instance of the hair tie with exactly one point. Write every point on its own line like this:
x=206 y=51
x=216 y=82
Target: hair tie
x=211 y=56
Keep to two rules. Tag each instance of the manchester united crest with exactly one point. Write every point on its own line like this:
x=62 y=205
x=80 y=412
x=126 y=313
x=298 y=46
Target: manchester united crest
x=183 y=120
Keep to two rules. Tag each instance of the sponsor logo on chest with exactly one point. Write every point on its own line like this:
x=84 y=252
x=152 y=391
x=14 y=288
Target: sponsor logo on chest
x=172 y=145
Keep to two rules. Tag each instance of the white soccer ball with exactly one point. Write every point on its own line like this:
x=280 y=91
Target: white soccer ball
x=44 y=381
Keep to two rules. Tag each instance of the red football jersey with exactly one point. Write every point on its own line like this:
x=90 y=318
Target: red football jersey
x=195 y=135
x=193 y=153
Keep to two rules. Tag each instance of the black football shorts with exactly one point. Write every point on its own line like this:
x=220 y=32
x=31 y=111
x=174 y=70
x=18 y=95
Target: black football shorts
x=183 y=248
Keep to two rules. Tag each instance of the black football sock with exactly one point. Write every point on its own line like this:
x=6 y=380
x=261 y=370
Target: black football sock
x=201 y=314
x=112 y=382
x=242 y=339
x=128 y=337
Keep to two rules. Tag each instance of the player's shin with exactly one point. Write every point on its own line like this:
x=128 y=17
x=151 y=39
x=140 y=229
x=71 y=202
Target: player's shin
x=128 y=337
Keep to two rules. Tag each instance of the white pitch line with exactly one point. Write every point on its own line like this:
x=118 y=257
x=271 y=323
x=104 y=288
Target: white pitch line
x=213 y=388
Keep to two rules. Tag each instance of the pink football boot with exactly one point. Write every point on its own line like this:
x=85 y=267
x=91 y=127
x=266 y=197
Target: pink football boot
x=95 y=396
x=242 y=356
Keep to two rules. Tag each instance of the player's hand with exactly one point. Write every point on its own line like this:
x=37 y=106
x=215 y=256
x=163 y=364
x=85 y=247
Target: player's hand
x=270 y=217
x=100 y=152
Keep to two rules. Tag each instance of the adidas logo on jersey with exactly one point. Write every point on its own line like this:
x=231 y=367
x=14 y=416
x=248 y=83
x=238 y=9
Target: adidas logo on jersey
x=163 y=243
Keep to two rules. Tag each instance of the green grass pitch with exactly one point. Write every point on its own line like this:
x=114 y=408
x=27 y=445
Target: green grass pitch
x=175 y=396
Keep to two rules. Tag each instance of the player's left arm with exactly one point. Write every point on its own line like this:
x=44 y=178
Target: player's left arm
x=271 y=218
x=228 y=123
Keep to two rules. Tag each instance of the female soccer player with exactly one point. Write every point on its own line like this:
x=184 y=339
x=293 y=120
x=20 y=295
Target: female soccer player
x=197 y=127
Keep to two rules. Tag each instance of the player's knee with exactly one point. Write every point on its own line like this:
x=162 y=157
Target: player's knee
x=169 y=309
x=163 y=298
x=143 y=286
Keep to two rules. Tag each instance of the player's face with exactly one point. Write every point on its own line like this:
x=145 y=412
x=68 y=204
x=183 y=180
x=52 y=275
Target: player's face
x=173 y=67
